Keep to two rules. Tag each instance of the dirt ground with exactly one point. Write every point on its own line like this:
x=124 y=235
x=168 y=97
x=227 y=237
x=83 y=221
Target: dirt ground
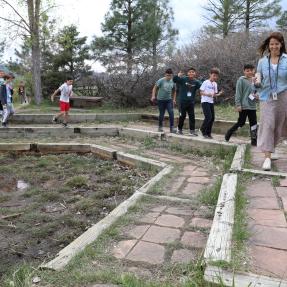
x=48 y=200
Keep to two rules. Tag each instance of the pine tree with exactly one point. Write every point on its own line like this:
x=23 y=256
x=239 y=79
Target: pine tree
x=72 y=53
x=133 y=31
x=254 y=13
x=223 y=15
x=282 y=22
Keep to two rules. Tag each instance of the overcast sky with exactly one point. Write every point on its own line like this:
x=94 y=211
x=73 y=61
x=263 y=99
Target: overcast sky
x=89 y=14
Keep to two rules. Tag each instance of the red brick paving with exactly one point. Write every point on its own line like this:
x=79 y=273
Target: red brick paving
x=183 y=256
x=192 y=189
x=201 y=222
x=267 y=217
x=269 y=261
x=268 y=230
x=147 y=252
x=264 y=203
x=159 y=234
x=123 y=248
x=170 y=221
x=194 y=239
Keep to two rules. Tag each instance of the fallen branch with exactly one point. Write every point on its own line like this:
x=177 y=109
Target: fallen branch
x=14 y=215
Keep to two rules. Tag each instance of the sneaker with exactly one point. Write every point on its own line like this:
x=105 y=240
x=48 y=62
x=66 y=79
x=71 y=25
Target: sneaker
x=210 y=136
x=173 y=130
x=274 y=156
x=179 y=132
x=65 y=125
x=193 y=133
x=54 y=120
x=160 y=129
x=267 y=164
x=4 y=125
x=206 y=136
x=227 y=136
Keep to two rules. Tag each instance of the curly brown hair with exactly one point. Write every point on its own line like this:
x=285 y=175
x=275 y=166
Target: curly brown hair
x=265 y=45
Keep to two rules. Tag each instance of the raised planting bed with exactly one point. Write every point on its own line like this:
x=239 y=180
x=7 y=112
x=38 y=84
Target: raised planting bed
x=48 y=200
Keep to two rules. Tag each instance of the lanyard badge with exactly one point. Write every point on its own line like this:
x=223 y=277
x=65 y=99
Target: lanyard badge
x=273 y=84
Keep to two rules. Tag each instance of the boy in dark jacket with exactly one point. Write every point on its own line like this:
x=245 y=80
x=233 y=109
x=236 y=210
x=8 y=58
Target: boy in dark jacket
x=6 y=93
x=187 y=87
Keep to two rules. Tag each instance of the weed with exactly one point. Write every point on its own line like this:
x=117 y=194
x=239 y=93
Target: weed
x=209 y=196
x=240 y=231
x=149 y=143
x=77 y=181
x=275 y=181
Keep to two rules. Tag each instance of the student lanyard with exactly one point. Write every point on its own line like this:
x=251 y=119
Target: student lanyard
x=273 y=87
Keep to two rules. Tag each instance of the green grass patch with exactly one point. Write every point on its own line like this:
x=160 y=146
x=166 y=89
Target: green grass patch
x=209 y=196
x=77 y=181
x=240 y=230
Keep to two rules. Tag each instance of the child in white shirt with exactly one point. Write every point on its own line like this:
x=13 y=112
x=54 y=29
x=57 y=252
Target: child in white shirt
x=208 y=92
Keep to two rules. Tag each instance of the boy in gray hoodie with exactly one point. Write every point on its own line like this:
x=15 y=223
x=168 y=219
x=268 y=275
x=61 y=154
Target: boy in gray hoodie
x=245 y=104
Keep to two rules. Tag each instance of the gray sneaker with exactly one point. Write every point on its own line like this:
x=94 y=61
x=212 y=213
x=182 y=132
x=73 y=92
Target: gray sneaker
x=193 y=133
x=160 y=129
x=179 y=132
x=173 y=130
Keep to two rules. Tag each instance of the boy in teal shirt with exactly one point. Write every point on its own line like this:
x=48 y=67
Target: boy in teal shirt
x=164 y=91
x=187 y=87
x=245 y=102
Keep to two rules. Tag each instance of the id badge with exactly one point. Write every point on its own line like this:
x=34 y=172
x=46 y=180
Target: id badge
x=274 y=96
x=189 y=94
x=251 y=97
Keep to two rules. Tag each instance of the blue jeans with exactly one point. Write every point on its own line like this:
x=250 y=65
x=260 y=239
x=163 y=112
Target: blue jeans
x=164 y=105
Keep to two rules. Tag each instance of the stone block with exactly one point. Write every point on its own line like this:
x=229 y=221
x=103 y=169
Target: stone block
x=123 y=248
x=147 y=252
x=267 y=217
x=273 y=237
x=198 y=222
x=183 y=256
x=268 y=261
x=170 y=221
x=192 y=189
x=194 y=239
x=157 y=234
x=138 y=231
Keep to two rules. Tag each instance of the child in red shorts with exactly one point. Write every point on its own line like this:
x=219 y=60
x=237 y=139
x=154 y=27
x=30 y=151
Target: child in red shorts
x=66 y=92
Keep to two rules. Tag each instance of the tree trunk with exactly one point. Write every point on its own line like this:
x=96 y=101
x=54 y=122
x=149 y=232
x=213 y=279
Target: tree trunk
x=247 y=16
x=154 y=57
x=36 y=73
x=129 y=42
x=34 y=20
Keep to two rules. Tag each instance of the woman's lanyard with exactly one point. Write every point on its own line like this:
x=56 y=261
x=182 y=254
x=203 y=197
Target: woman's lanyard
x=273 y=87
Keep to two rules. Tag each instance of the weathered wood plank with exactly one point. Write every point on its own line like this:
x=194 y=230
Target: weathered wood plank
x=218 y=275
x=238 y=159
x=218 y=245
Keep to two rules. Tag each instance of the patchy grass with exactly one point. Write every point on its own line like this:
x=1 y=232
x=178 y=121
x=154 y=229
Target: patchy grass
x=240 y=230
x=209 y=196
x=58 y=204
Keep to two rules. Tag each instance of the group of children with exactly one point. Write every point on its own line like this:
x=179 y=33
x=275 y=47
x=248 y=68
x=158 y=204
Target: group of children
x=185 y=87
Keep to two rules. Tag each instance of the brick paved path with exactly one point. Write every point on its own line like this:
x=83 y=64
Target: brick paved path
x=268 y=228
x=257 y=158
x=170 y=232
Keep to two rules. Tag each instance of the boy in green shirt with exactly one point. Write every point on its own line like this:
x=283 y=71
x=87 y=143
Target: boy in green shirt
x=164 y=91
x=245 y=102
